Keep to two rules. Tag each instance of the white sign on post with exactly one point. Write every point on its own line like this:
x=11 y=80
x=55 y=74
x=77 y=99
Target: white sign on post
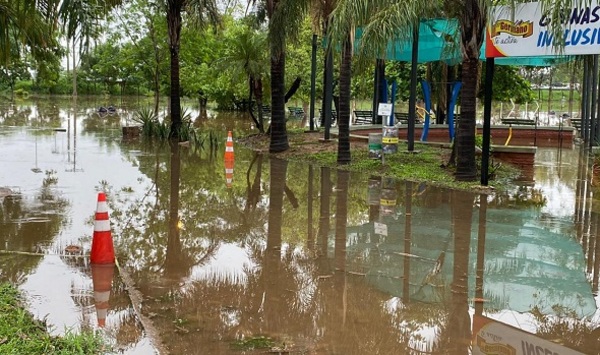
x=384 y=109
x=381 y=228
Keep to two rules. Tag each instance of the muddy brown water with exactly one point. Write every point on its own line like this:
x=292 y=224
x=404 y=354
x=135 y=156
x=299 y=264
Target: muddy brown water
x=287 y=258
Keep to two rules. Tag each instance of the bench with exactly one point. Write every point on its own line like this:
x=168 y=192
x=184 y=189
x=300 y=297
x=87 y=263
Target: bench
x=518 y=121
x=363 y=117
x=266 y=110
x=322 y=118
x=297 y=112
x=402 y=118
x=576 y=122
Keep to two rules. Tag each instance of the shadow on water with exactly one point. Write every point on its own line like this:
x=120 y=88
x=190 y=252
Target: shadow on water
x=285 y=257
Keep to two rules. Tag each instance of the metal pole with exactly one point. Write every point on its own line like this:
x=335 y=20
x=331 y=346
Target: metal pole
x=379 y=75
x=313 y=80
x=412 y=111
x=328 y=92
x=583 y=97
x=487 y=116
x=594 y=94
x=595 y=106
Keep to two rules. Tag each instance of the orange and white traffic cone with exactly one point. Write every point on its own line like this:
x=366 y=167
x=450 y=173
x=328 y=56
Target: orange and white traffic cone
x=103 y=251
x=102 y=277
x=229 y=147
x=229 y=172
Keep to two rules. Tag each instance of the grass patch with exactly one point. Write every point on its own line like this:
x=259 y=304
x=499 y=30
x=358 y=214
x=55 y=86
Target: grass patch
x=426 y=164
x=20 y=333
x=253 y=343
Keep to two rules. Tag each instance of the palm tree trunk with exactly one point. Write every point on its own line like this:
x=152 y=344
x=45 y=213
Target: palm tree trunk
x=279 y=139
x=174 y=8
x=465 y=137
x=344 y=155
x=258 y=94
x=460 y=330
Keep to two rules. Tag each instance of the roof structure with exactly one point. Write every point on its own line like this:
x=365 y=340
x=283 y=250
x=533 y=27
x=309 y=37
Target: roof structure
x=439 y=40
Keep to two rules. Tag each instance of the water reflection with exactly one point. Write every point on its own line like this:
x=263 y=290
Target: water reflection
x=382 y=267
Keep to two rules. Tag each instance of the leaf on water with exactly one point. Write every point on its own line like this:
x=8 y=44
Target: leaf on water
x=357 y=273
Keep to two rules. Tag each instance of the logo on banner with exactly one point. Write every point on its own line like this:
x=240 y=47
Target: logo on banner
x=518 y=29
x=495 y=348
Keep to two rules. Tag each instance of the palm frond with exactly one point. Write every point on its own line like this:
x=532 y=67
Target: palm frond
x=285 y=21
x=203 y=12
x=381 y=21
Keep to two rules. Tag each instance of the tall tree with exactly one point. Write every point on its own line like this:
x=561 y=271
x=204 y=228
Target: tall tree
x=285 y=17
x=472 y=17
x=245 y=57
x=382 y=20
x=201 y=12
x=82 y=24
x=26 y=24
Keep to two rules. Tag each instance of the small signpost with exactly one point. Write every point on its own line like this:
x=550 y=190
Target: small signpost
x=390 y=133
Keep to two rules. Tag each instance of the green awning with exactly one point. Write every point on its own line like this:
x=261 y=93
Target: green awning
x=439 y=40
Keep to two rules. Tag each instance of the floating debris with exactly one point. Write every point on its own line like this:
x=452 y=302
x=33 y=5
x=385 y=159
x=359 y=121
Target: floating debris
x=73 y=249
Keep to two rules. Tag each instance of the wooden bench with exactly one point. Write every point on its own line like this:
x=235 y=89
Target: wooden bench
x=363 y=117
x=266 y=110
x=322 y=118
x=576 y=122
x=518 y=121
x=402 y=118
x=297 y=112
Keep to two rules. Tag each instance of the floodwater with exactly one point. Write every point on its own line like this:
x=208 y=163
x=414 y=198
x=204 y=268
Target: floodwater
x=288 y=258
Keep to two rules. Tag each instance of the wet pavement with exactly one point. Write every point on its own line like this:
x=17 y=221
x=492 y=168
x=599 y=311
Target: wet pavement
x=285 y=257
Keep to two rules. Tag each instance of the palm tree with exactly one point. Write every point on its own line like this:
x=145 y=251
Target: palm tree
x=382 y=20
x=245 y=56
x=81 y=21
x=284 y=17
x=201 y=12
x=344 y=156
x=27 y=21
x=472 y=19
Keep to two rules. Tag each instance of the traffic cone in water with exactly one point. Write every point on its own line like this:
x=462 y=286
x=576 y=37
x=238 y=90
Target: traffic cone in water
x=229 y=172
x=103 y=251
x=102 y=276
x=229 y=147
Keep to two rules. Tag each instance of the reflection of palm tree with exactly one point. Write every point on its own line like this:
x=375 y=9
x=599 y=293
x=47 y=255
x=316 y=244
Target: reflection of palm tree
x=272 y=263
x=341 y=219
x=457 y=332
x=245 y=55
x=175 y=262
x=253 y=189
x=324 y=210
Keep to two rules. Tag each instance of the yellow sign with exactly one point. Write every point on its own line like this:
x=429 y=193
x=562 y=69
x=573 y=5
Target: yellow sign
x=385 y=202
x=390 y=140
x=519 y=29
x=495 y=348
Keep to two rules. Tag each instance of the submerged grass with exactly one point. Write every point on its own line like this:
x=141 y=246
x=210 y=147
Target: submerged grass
x=425 y=164
x=20 y=333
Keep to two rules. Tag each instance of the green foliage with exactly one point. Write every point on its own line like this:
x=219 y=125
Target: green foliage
x=148 y=119
x=154 y=126
x=508 y=84
x=20 y=333
x=253 y=343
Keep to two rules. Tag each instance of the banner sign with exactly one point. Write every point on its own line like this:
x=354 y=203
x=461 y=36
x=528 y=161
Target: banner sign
x=492 y=337
x=523 y=30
